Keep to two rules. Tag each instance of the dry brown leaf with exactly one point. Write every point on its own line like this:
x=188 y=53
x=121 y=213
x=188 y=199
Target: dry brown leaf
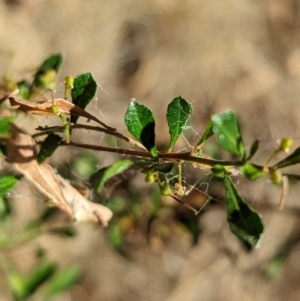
x=44 y=108
x=83 y=209
x=22 y=152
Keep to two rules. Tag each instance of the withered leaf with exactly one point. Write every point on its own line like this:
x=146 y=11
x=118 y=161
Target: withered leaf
x=21 y=151
x=44 y=108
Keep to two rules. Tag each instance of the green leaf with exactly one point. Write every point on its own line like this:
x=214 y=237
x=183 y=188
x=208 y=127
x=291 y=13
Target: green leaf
x=41 y=274
x=24 y=87
x=292 y=159
x=99 y=178
x=63 y=280
x=163 y=168
x=48 y=147
x=251 y=172
x=208 y=132
x=5 y=124
x=244 y=221
x=219 y=171
x=84 y=89
x=45 y=76
x=253 y=149
x=84 y=164
x=141 y=124
x=179 y=111
x=227 y=132
x=6 y=184
x=17 y=285
x=4 y=208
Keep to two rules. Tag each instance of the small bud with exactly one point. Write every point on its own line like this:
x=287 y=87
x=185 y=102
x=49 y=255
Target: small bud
x=69 y=81
x=47 y=80
x=276 y=177
x=165 y=190
x=150 y=177
x=285 y=144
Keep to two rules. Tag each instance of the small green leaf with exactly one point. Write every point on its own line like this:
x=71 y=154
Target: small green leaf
x=244 y=221
x=253 y=149
x=227 y=132
x=219 y=171
x=41 y=274
x=179 y=111
x=84 y=89
x=208 y=132
x=48 y=147
x=45 y=76
x=6 y=184
x=4 y=208
x=63 y=280
x=5 y=124
x=292 y=159
x=24 y=87
x=141 y=124
x=251 y=172
x=99 y=178
x=84 y=164
x=17 y=285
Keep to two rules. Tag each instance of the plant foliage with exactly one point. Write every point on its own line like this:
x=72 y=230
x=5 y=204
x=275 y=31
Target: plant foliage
x=28 y=152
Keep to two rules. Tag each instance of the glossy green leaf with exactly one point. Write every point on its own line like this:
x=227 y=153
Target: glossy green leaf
x=179 y=111
x=141 y=124
x=5 y=124
x=244 y=221
x=99 y=178
x=292 y=159
x=45 y=76
x=48 y=147
x=63 y=281
x=6 y=184
x=84 y=90
x=251 y=172
x=227 y=132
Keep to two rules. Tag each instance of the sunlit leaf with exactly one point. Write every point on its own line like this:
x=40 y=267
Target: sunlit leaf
x=179 y=111
x=84 y=90
x=99 y=178
x=141 y=124
x=227 y=132
x=251 y=171
x=243 y=220
x=17 y=285
x=6 y=184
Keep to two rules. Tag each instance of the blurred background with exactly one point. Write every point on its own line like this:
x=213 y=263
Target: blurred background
x=241 y=55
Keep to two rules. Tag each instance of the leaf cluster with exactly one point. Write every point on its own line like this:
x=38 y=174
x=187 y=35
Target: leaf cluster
x=144 y=154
